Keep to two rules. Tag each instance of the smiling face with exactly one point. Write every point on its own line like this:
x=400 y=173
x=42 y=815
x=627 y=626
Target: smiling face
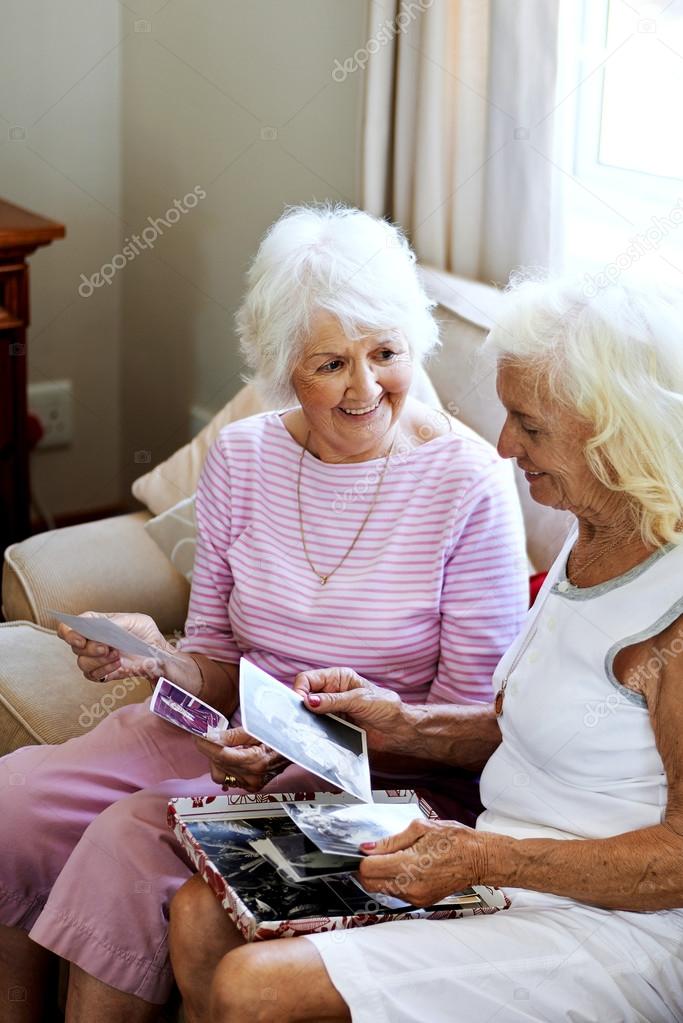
x=548 y=441
x=351 y=392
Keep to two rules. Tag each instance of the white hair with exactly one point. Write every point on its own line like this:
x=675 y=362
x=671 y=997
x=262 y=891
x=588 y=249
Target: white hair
x=616 y=358
x=333 y=259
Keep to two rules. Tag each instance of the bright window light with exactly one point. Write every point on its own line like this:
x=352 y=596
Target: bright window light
x=619 y=138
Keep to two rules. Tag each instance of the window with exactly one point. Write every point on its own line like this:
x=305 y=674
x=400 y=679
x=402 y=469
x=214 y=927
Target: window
x=619 y=138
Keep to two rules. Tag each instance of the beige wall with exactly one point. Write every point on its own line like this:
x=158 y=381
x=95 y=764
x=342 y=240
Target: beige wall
x=60 y=83
x=128 y=108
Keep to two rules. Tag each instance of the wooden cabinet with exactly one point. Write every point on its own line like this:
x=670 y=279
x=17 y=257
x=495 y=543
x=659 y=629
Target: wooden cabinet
x=21 y=233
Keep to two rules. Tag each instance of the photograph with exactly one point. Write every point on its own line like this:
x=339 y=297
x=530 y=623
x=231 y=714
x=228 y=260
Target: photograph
x=341 y=829
x=302 y=860
x=260 y=884
x=186 y=711
x=326 y=745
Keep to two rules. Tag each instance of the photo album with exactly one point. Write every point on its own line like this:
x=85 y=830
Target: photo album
x=267 y=858
x=284 y=864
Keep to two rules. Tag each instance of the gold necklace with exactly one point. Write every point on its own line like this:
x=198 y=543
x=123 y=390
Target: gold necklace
x=597 y=557
x=323 y=578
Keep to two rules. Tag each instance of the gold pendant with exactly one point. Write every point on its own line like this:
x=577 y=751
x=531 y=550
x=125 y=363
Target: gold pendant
x=323 y=579
x=498 y=702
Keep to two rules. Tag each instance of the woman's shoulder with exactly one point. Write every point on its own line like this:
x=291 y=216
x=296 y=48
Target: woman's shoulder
x=435 y=434
x=250 y=433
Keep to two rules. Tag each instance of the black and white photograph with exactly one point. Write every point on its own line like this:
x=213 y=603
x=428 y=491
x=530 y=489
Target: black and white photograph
x=261 y=886
x=325 y=745
x=184 y=710
x=341 y=829
x=301 y=860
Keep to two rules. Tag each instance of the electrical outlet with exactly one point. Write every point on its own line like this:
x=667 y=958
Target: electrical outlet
x=52 y=402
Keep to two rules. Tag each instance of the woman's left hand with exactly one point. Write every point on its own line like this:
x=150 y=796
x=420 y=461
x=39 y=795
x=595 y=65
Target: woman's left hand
x=238 y=755
x=426 y=862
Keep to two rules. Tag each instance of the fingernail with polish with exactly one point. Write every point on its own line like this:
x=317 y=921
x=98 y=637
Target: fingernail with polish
x=313 y=700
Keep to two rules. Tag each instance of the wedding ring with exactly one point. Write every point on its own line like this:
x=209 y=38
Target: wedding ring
x=229 y=781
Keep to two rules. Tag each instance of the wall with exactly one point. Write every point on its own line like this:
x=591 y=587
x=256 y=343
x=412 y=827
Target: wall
x=127 y=107
x=60 y=155
x=238 y=100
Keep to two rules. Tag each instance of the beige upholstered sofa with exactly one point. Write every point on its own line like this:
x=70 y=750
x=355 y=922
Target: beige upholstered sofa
x=116 y=565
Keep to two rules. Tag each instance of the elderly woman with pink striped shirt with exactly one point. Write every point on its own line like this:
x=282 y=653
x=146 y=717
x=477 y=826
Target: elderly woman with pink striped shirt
x=355 y=526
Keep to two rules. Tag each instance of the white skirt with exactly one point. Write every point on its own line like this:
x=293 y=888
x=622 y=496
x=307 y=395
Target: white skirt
x=545 y=959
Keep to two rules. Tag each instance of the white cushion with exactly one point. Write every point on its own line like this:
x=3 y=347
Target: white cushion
x=175 y=532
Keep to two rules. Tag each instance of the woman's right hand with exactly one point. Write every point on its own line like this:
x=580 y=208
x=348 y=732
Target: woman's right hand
x=380 y=712
x=100 y=663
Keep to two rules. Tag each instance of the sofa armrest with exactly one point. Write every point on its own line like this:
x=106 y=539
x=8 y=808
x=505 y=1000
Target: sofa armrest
x=43 y=696
x=108 y=565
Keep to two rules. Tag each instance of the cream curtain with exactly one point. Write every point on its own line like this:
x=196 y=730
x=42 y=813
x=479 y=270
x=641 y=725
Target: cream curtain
x=457 y=133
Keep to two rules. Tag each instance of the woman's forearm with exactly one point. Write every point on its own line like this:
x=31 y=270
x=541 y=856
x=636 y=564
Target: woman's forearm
x=638 y=871
x=214 y=682
x=459 y=735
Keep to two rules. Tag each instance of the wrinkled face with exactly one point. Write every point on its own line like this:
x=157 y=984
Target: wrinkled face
x=548 y=441
x=351 y=392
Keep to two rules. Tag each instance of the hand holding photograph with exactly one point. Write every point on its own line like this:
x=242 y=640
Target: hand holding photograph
x=340 y=829
x=186 y=711
x=326 y=745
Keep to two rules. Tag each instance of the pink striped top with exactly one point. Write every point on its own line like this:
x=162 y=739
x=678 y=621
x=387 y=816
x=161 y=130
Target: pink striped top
x=431 y=596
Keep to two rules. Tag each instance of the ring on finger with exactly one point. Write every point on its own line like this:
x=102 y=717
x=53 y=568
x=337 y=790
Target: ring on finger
x=229 y=781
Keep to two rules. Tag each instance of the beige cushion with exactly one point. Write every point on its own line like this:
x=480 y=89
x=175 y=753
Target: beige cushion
x=175 y=533
x=110 y=565
x=43 y=696
x=176 y=479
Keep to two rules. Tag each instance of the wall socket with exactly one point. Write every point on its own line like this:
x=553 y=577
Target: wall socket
x=52 y=402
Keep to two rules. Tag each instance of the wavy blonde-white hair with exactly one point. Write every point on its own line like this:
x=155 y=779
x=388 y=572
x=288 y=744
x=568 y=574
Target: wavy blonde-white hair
x=334 y=259
x=616 y=358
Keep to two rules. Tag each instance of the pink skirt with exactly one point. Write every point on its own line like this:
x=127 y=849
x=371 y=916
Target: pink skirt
x=87 y=863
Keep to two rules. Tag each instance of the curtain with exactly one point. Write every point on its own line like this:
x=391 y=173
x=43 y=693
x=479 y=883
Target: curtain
x=458 y=129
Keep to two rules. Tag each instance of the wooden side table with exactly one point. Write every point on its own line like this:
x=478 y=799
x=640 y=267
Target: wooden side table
x=21 y=233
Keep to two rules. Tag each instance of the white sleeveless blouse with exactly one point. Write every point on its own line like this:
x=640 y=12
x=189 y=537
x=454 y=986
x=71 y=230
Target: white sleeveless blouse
x=578 y=757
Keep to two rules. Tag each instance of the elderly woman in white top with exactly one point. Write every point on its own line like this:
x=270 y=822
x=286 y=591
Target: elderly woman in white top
x=583 y=776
